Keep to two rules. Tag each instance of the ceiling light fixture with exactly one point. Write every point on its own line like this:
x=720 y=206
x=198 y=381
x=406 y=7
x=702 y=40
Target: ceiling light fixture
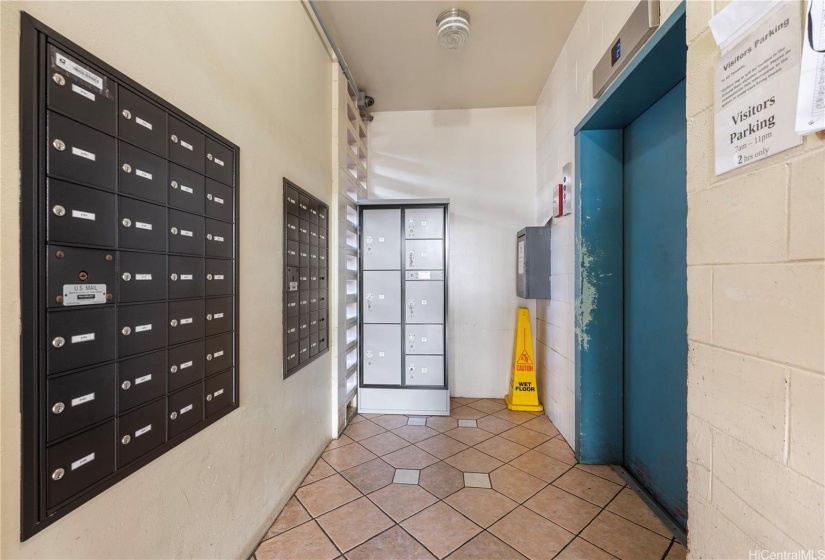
x=453 y=28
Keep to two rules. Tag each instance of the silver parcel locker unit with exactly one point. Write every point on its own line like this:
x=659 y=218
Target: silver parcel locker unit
x=403 y=267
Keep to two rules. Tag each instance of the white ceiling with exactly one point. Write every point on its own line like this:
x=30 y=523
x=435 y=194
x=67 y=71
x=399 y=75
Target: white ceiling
x=392 y=50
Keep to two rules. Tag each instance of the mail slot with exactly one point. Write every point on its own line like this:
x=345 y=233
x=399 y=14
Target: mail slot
x=219 y=315
x=219 y=162
x=79 y=153
x=291 y=330
x=81 y=215
x=185 y=277
x=313 y=322
x=291 y=202
x=219 y=240
x=80 y=399
x=292 y=355
x=141 y=225
x=186 y=320
x=313 y=212
x=141 y=431
x=186 y=145
x=142 y=277
x=141 y=122
x=219 y=392
x=292 y=304
x=219 y=353
x=141 y=174
x=303 y=231
x=303 y=350
x=218 y=277
x=313 y=344
x=80 y=91
x=219 y=201
x=80 y=276
x=184 y=409
x=141 y=379
x=80 y=337
x=185 y=233
x=79 y=462
x=141 y=328
x=313 y=235
x=186 y=189
x=185 y=364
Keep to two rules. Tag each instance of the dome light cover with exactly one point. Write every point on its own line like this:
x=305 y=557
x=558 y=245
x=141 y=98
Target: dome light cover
x=453 y=28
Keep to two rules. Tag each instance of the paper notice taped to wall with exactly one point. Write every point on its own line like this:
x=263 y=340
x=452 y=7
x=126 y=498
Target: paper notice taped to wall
x=810 y=109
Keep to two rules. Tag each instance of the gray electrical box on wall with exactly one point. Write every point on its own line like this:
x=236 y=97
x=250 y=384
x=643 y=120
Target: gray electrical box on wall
x=533 y=263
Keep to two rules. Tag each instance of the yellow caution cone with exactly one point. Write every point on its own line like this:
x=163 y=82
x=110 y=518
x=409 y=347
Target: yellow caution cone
x=523 y=392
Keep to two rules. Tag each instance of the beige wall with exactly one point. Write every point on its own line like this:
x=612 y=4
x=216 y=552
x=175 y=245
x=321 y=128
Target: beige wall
x=259 y=74
x=756 y=324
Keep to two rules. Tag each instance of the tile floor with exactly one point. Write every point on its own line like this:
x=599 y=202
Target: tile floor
x=485 y=483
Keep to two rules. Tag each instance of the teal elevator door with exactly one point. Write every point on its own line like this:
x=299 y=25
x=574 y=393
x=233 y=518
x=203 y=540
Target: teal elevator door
x=655 y=301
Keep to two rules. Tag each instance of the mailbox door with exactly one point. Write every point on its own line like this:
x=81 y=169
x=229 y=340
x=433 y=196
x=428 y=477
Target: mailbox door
x=141 y=431
x=141 y=327
x=425 y=301
x=186 y=145
x=380 y=243
x=141 y=379
x=220 y=392
x=80 y=154
x=80 y=399
x=141 y=225
x=184 y=410
x=186 y=189
x=425 y=370
x=142 y=277
x=186 y=321
x=81 y=215
x=185 y=364
x=80 y=91
x=219 y=314
x=219 y=162
x=141 y=174
x=424 y=254
x=80 y=337
x=141 y=122
x=80 y=277
x=186 y=277
x=381 y=354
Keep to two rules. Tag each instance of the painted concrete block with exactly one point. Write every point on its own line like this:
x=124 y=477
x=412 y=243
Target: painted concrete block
x=807 y=424
x=807 y=208
x=700 y=303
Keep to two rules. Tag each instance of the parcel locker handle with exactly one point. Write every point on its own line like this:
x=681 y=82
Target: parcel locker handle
x=412 y=254
x=369 y=302
x=412 y=307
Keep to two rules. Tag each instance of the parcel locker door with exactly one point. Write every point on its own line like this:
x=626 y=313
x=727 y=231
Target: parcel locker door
x=80 y=91
x=141 y=122
x=219 y=201
x=218 y=277
x=79 y=277
x=218 y=315
x=186 y=145
x=81 y=154
x=424 y=223
x=184 y=409
x=218 y=353
x=425 y=370
x=218 y=239
x=80 y=399
x=186 y=320
x=81 y=337
x=81 y=215
x=424 y=254
x=424 y=339
x=141 y=173
x=219 y=393
x=425 y=301
x=142 y=225
x=142 y=277
x=186 y=189
x=219 y=162
x=141 y=328
x=382 y=297
x=78 y=462
x=185 y=364
x=141 y=379
x=380 y=244
x=141 y=431
x=186 y=233
x=186 y=277
x=382 y=354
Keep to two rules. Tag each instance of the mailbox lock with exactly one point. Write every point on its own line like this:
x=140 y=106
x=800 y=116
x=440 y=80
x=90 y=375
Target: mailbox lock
x=126 y=385
x=59 y=145
x=126 y=331
x=126 y=439
x=209 y=357
x=174 y=184
x=109 y=258
x=174 y=231
x=174 y=322
x=127 y=168
x=209 y=157
x=126 y=114
x=58 y=474
x=173 y=369
x=174 y=138
x=209 y=236
x=126 y=276
x=173 y=415
x=126 y=222
x=174 y=277
x=59 y=299
x=59 y=80
x=59 y=210
x=209 y=397
x=209 y=277
x=58 y=342
x=58 y=407
x=59 y=255
x=83 y=275
x=208 y=197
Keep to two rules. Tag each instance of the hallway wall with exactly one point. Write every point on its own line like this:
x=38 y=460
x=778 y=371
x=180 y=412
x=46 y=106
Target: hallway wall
x=482 y=160
x=215 y=494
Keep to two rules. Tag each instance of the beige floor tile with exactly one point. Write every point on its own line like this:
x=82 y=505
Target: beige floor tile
x=346 y=457
x=340 y=442
x=414 y=434
x=462 y=400
x=514 y=416
x=624 y=539
x=370 y=476
x=467 y=413
x=400 y=501
x=605 y=471
x=587 y=486
x=363 y=430
x=514 y=483
x=531 y=534
x=410 y=458
x=477 y=480
x=488 y=406
x=502 y=449
x=441 y=529
x=484 y=507
x=557 y=448
x=390 y=421
x=304 y=542
x=563 y=509
x=486 y=547
x=384 y=443
x=291 y=516
x=356 y=419
x=371 y=415
x=395 y=543
x=471 y=460
x=630 y=506
x=320 y=471
x=325 y=495
x=524 y=436
x=580 y=549
x=442 y=423
x=676 y=552
x=469 y=436
x=355 y=523
x=494 y=425
x=540 y=466
x=542 y=424
x=441 y=479
x=441 y=446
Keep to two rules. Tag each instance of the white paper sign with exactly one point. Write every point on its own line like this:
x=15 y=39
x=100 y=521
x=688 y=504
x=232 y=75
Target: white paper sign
x=755 y=90
x=810 y=110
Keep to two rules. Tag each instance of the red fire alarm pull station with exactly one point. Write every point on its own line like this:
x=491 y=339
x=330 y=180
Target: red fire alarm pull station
x=561 y=194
